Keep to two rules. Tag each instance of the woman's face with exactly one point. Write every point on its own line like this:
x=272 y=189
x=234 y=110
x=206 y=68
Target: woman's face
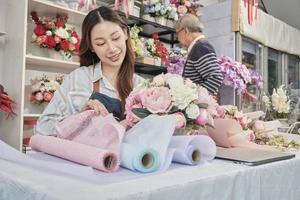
x=109 y=43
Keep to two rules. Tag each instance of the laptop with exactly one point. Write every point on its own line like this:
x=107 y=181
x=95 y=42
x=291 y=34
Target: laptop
x=251 y=157
x=224 y=128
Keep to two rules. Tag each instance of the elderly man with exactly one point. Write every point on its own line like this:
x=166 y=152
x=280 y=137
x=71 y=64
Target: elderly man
x=201 y=65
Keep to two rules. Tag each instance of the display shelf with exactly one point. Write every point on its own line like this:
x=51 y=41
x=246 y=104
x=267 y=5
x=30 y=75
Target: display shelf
x=31 y=115
x=41 y=63
x=47 y=7
x=149 y=69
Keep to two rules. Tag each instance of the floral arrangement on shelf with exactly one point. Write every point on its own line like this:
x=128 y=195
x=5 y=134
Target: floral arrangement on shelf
x=42 y=89
x=136 y=42
x=156 y=48
x=176 y=60
x=171 y=94
x=184 y=6
x=155 y=8
x=7 y=103
x=278 y=105
x=55 y=34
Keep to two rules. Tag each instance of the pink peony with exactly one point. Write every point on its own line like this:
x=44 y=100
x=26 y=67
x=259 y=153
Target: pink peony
x=157 y=100
x=202 y=119
x=180 y=121
x=48 y=96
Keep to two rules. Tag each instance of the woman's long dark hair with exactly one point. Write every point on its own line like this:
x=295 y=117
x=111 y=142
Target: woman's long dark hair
x=87 y=57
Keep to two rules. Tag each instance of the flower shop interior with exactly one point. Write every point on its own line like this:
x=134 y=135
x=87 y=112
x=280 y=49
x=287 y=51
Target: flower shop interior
x=180 y=141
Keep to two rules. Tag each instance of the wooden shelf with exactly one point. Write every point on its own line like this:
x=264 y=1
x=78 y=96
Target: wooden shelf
x=44 y=7
x=48 y=64
x=149 y=69
x=31 y=115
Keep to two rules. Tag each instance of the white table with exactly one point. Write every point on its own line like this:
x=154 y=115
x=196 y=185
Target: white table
x=217 y=180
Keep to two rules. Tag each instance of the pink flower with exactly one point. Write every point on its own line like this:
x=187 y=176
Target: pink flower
x=180 y=120
x=258 y=125
x=202 y=119
x=220 y=112
x=182 y=10
x=48 y=96
x=157 y=100
x=187 y=3
x=250 y=136
x=132 y=119
x=39 y=96
x=40 y=40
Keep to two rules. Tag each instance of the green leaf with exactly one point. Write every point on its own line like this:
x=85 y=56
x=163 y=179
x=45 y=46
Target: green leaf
x=203 y=105
x=174 y=109
x=141 y=112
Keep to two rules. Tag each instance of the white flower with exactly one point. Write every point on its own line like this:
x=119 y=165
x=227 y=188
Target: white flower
x=159 y=80
x=280 y=101
x=174 y=81
x=61 y=32
x=49 y=33
x=266 y=100
x=183 y=96
x=192 y=111
x=33 y=37
x=73 y=40
x=51 y=86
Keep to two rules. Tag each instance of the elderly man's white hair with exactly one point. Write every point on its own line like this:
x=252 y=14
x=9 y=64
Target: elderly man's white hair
x=189 y=21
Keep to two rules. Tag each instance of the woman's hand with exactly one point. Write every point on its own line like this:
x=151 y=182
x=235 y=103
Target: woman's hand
x=96 y=105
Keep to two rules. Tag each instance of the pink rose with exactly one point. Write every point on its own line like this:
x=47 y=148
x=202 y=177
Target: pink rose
x=39 y=96
x=182 y=10
x=48 y=96
x=202 y=119
x=220 y=112
x=258 y=125
x=180 y=120
x=157 y=100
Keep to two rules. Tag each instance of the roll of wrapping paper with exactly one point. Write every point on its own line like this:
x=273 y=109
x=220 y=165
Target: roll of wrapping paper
x=97 y=158
x=138 y=158
x=194 y=154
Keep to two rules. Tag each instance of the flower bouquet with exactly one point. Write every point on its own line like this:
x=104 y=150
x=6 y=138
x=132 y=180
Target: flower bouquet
x=55 y=34
x=156 y=9
x=6 y=103
x=171 y=94
x=137 y=44
x=184 y=6
x=235 y=74
x=278 y=105
x=176 y=61
x=42 y=89
x=155 y=48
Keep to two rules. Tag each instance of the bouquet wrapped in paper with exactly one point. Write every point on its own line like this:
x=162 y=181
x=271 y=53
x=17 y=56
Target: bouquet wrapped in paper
x=171 y=94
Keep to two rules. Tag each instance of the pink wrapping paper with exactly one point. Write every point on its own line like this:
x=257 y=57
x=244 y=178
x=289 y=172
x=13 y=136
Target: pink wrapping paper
x=94 y=130
x=229 y=133
x=97 y=158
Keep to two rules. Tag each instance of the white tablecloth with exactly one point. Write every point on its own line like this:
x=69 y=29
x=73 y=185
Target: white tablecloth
x=218 y=180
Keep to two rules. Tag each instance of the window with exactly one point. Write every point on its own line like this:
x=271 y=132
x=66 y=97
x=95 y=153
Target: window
x=274 y=69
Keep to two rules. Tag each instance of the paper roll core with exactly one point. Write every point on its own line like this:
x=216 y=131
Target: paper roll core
x=196 y=155
x=110 y=161
x=147 y=160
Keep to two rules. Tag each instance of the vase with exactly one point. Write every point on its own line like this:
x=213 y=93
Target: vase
x=37 y=51
x=148 y=17
x=161 y=20
x=157 y=61
x=170 y=23
x=58 y=55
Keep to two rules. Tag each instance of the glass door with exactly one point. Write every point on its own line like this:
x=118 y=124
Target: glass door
x=252 y=58
x=275 y=70
x=293 y=82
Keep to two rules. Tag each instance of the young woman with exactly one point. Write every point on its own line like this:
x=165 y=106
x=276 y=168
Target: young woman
x=106 y=72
